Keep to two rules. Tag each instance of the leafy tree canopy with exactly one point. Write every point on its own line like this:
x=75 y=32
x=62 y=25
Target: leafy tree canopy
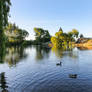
x=42 y=35
x=4 y=12
x=62 y=39
x=14 y=33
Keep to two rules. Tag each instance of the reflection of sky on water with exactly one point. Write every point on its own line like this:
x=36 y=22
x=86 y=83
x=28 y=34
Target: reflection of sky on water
x=34 y=68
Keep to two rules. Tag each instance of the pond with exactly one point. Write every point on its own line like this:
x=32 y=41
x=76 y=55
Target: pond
x=38 y=69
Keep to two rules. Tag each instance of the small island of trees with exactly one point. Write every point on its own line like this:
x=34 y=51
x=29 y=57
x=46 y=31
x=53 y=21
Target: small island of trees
x=65 y=40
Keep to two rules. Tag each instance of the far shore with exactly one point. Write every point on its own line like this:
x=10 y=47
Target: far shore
x=83 y=46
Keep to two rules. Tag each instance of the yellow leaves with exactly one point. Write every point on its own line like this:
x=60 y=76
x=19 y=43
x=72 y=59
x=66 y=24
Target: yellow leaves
x=57 y=40
x=37 y=31
x=9 y=26
x=57 y=51
x=11 y=40
x=16 y=32
x=58 y=34
x=53 y=39
x=74 y=30
x=64 y=39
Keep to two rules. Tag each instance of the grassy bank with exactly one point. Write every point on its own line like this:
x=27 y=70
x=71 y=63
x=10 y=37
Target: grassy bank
x=87 y=44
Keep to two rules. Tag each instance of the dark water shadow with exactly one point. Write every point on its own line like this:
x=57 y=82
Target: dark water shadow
x=3 y=83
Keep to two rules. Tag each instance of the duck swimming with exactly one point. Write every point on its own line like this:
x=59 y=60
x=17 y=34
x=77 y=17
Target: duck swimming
x=59 y=64
x=73 y=75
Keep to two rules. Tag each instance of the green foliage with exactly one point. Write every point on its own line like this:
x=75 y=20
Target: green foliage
x=42 y=35
x=14 y=34
x=75 y=33
x=4 y=14
x=62 y=39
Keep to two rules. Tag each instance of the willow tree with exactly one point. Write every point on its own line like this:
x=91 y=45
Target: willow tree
x=4 y=14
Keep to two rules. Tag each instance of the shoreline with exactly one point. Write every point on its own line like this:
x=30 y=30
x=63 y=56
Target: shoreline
x=84 y=46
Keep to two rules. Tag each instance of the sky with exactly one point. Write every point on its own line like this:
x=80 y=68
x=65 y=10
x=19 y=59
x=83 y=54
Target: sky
x=52 y=14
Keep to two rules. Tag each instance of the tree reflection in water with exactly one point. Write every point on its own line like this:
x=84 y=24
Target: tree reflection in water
x=2 y=53
x=3 y=83
x=42 y=52
x=14 y=55
x=62 y=52
x=58 y=52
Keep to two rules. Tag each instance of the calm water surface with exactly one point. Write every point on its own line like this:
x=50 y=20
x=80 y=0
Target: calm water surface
x=34 y=69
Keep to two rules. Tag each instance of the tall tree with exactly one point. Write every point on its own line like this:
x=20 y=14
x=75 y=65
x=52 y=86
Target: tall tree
x=62 y=39
x=4 y=14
